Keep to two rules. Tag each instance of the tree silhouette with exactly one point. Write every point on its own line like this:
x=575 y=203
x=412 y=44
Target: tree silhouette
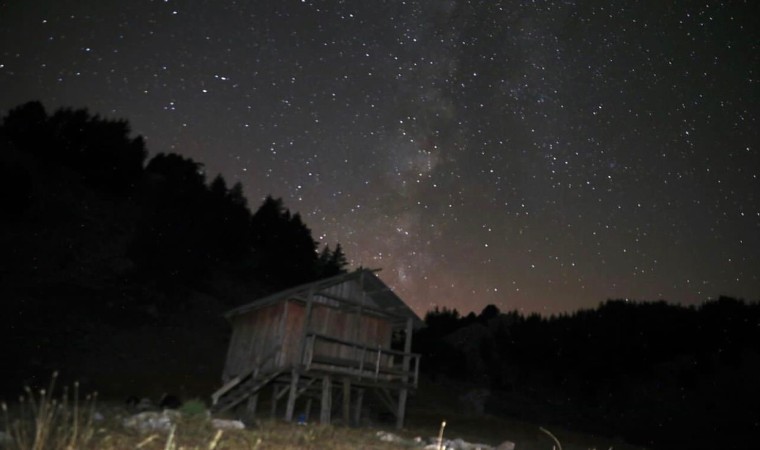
x=488 y=313
x=624 y=366
x=15 y=182
x=331 y=263
x=229 y=222
x=180 y=227
x=171 y=240
x=99 y=149
x=283 y=248
x=26 y=127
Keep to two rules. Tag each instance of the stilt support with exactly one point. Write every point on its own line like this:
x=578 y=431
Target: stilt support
x=250 y=407
x=292 y=395
x=326 y=407
x=401 y=408
x=358 y=408
x=346 y=401
x=307 y=410
x=275 y=397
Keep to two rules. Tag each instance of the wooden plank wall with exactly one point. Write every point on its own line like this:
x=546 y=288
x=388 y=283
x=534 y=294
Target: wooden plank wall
x=293 y=332
x=343 y=324
x=255 y=335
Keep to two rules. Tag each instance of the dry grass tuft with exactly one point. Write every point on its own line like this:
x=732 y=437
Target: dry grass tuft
x=47 y=423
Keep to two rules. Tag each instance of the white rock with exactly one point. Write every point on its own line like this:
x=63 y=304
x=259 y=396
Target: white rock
x=223 y=424
x=144 y=405
x=389 y=437
x=148 y=421
x=456 y=444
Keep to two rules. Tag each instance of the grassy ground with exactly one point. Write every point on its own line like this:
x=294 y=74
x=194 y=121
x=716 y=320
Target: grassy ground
x=436 y=402
x=62 y=421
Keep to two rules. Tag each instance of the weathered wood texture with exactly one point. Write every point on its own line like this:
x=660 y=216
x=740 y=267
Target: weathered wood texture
x=341 y=326
x=254 y=337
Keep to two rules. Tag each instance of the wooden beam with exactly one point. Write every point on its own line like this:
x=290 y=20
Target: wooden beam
x=351 y=304
x=358 y=407
x=347 y=401
x=401 y=408
x=306 y=387
x=222 y=390
x=306 y=325
x=326 y=406
x=292 y=395
x=275 y=397
x=407 y=344
x=385 y=398
x=250 y=407
x=307 y=410
x=402 y=395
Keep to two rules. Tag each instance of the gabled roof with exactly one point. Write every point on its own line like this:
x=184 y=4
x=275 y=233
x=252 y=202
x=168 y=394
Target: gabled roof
x=380 y=297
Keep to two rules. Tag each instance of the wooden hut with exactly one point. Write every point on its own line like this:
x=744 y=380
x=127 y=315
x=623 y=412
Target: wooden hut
x=331 y=337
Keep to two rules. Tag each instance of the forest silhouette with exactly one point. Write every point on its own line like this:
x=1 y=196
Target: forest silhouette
x=103 y=247
x=174 y=225
x=659 y=374
x=116 y=268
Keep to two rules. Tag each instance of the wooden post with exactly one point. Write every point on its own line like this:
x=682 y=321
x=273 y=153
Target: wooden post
x=347 y=401
x=324 y=414
x=275 y=396
x=307 y=410
x=290 y=407
x=402 y=395
x=306 y=326
x=359 y=312
x=358 y=407
x=250 y=408
x=401 y=408
x=407 y=346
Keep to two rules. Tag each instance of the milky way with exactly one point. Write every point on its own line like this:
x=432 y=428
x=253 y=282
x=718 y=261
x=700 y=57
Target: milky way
x=541 y=156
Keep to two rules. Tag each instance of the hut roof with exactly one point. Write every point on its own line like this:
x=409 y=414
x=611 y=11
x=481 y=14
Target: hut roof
x=381 y=299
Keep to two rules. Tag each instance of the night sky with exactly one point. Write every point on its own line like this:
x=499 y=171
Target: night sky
x=540 y=156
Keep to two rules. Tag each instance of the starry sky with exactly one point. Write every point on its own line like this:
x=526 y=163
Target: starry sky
x=537 y=155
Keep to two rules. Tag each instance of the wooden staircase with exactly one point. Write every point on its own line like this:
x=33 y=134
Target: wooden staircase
x=239 y=389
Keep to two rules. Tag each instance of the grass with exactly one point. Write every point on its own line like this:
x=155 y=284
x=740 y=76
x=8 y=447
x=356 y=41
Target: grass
x=40 y=421
x=434 y=402
x=43 y=422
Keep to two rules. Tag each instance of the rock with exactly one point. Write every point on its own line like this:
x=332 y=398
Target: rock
x=464 y=445
x=135 y=403
x=389 y=437
x=506 y=445
x=455 y=444
x=224 y=424
x=148 y=421
x=396 y=439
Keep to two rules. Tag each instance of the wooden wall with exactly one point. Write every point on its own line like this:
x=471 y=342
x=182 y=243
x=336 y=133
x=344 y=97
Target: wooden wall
x=258 y=333
x=254 y=335
x=348 y=326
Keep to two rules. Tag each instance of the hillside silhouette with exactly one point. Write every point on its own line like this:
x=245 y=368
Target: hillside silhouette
x=111 y=261
x=658 y=374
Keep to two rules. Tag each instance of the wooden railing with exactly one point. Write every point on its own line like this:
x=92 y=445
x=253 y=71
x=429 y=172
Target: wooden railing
x=360 y=360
